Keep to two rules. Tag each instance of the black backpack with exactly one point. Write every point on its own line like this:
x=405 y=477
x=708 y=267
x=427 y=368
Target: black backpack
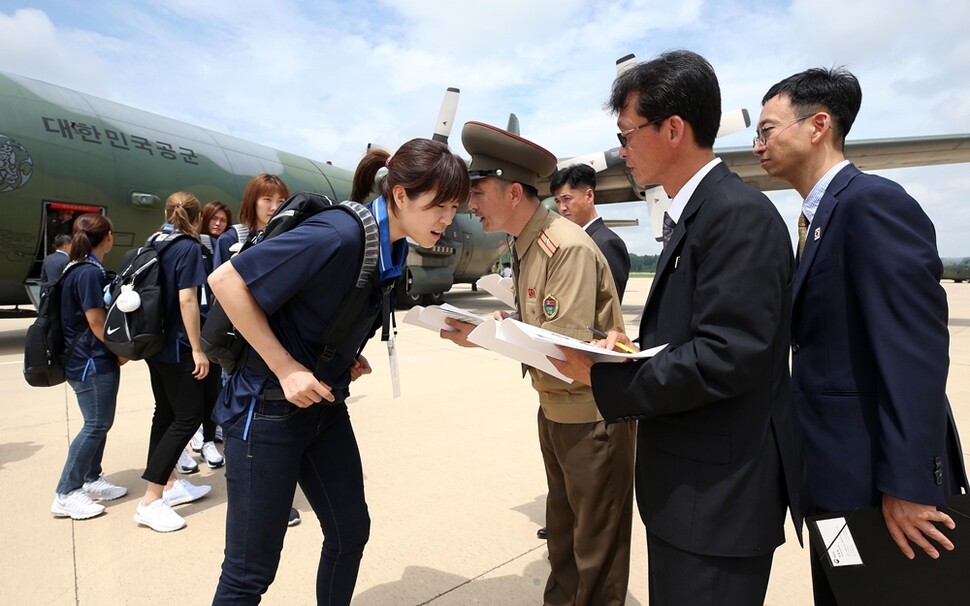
x=224 y=346
x=43 y=360
x=139 y=334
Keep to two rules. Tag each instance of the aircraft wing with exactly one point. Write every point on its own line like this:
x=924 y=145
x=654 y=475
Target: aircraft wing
x=613 y=183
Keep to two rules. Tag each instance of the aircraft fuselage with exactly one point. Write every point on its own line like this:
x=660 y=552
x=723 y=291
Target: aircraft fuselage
x=63 y=152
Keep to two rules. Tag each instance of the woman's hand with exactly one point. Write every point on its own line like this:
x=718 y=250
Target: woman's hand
x=360 y=367
x=201 y=364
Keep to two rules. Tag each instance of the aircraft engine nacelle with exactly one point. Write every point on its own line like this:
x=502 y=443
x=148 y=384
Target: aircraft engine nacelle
x=427 y=280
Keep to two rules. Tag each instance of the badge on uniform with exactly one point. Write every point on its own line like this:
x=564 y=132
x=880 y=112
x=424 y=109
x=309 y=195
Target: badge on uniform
x=532 y=293
x=550 y=307
x=818 y=234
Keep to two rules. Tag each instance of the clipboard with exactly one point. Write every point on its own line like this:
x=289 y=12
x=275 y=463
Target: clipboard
x=864 y=566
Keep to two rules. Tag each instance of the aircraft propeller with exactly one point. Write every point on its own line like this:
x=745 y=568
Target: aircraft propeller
x=446 y=115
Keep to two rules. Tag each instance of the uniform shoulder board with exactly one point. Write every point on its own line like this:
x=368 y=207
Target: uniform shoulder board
x=548 y=245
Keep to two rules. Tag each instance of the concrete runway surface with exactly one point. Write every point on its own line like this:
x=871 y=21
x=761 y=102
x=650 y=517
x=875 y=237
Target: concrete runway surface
x=454 y=484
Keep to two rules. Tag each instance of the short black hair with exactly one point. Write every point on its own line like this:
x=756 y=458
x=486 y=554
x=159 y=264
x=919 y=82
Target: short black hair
x=836 y=91
x=677 y=83
x=61 y=240
x=573 y=175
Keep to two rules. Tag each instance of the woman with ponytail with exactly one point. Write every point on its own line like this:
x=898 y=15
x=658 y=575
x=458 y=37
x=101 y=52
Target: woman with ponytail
x=92 y=371
x=285 y=424
x=177 y=371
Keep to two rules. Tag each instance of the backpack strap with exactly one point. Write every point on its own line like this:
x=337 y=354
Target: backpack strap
x=372 y=239
x=242 y=233
x=160 y=241
x=345 y=320
x=79 y=330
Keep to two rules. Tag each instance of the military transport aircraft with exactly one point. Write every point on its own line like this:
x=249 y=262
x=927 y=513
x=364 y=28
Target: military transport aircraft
x=63 y=153
x=956 y=269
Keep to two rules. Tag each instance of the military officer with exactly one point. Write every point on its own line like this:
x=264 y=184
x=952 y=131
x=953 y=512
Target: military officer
x=563 y=284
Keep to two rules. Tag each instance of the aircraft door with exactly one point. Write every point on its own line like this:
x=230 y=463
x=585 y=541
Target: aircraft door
x=58 y=220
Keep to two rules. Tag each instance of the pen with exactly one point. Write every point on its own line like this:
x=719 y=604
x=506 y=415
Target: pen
x=599 y=334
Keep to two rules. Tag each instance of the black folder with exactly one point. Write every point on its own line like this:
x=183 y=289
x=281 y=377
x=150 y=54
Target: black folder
x=885 y=576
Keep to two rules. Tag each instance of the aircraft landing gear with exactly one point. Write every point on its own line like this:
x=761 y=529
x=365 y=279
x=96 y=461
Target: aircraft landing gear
x=403 y=299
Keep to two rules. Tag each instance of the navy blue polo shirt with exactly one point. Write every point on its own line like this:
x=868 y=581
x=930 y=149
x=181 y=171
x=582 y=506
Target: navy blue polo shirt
x=181 y=263
x=299 y=278
x=83 y=289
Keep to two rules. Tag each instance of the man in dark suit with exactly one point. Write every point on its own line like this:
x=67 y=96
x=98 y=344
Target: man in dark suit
x=574 y=188
x=869 y=322
x=718 y=451
x=54 y=263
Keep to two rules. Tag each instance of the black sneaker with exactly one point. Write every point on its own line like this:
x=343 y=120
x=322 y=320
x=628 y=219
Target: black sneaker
x=294 y=517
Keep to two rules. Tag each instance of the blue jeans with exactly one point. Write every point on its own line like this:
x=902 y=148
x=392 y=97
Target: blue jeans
x=97 y=396
x=283 y=445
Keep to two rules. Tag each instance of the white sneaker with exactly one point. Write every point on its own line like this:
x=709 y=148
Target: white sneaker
x=211 y=455
x=104 y=490
x=159 y=516
x=76 y=504
x=186 y=464
x=196 y=442
x=219 y=433
x=183 y=491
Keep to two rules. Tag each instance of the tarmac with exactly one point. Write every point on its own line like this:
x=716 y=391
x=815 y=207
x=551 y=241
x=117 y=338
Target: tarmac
x=454 y=484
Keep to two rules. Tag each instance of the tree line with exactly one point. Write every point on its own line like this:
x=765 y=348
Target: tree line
x=643 y=264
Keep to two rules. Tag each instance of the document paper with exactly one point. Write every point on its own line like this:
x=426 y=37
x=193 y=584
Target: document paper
x=489 y=335
x=433 y=317
x=498 y=287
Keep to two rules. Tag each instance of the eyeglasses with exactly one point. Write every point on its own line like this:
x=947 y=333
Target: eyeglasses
x=761 y=134
x=624 y=135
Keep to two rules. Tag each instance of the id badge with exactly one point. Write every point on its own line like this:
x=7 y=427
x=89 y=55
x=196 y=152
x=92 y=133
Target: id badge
x=395 y=371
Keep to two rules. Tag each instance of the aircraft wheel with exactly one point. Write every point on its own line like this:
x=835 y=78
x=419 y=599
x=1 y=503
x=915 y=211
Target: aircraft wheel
x=404 y=299
x=434 y=298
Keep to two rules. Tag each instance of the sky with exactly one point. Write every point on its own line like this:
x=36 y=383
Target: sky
x=323 y=79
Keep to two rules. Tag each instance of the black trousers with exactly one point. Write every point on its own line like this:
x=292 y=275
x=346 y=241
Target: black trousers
x=211 y=386
x=677 y=577
x=178 y=412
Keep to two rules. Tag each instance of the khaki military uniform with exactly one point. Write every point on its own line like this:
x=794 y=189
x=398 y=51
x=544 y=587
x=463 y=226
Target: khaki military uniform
x=563 y=284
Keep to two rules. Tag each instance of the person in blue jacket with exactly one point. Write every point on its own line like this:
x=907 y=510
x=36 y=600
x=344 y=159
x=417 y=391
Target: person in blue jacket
x=869 y=337
x=92 y=372
x=178 y=370
x=283 y=424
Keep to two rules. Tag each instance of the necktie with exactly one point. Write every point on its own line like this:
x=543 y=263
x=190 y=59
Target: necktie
x=668 y=228
x=802 y=233
x=515 y=269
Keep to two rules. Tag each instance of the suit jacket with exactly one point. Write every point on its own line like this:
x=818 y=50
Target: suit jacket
x=614 y=249
x=718 y=450
x=52 y=268
x=870 y=350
